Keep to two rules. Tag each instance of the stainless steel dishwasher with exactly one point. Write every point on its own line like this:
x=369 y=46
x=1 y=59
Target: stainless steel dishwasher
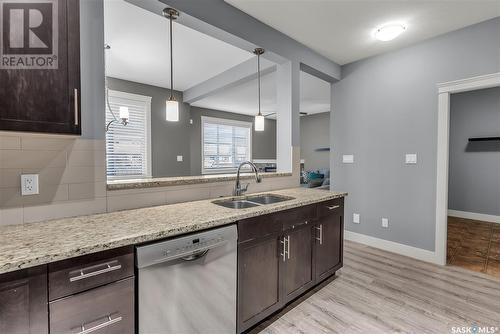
x=187 y=285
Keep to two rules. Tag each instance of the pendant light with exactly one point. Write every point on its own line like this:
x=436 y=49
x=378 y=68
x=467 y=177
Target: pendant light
x=172 y=105
x=259 y=118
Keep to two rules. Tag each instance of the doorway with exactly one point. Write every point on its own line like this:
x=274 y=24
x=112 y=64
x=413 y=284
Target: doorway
x=474 y=181
x=462 y=235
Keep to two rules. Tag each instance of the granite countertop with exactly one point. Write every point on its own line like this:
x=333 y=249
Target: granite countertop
x=29 y=245
x=183 y=180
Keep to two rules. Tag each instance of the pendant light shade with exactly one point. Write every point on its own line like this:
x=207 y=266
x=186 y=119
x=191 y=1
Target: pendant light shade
x=172 y=105
x=259 y=118
x=259 y=123
x=172 y=108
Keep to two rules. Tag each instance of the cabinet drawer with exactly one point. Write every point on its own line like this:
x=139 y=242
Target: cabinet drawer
x=258 y=227
x=297 y=217
x=108 y=309
x=89 y=271
x=333 y=206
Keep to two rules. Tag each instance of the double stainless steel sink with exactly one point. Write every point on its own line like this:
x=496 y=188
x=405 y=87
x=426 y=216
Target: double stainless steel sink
x=251 y=201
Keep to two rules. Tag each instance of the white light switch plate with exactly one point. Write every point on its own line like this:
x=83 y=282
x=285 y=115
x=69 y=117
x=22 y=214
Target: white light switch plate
x=385 y=222
x=411 y=159
x=355 y=218
x=348 y=158
x=29 y=184
x=179 y=158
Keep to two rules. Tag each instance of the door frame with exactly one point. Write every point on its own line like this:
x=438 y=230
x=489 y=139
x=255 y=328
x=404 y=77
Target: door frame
x=443 y=137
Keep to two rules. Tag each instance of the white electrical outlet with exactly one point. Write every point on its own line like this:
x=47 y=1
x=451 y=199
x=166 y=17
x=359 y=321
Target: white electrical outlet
x=348 y=158
x=385 y=222
x=411 y=159
x=29 y=184
x=355 y=218
x=179 y=158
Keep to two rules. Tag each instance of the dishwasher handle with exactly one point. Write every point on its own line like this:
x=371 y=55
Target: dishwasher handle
x=192 y=254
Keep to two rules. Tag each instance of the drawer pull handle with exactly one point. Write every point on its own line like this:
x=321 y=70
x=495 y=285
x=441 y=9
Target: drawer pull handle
x=107 y=323
x=76 y=106
x=320 y=229
x=107 y=269
x=333 y=207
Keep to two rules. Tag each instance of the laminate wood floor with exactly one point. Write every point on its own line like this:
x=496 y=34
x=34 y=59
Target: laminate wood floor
x=382 y=292
x=474 y=245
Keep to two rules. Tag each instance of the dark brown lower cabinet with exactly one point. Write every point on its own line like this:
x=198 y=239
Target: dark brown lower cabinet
x=259 y=280
x=23 y=302
x=284 y=254
x=108 y=309
x=297 y=262
x=328 y=245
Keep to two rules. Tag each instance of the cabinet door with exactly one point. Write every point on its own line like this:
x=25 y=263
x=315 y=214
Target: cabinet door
x=40 y=67
x=23 y=302
x=258 y=280
x=328 y=244
x=297 y=269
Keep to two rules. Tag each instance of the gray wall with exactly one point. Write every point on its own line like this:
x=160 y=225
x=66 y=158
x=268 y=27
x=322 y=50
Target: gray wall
x=168 y=139
x=314 y=134
x=386 y=106
x=263 y=143
x=474 y=183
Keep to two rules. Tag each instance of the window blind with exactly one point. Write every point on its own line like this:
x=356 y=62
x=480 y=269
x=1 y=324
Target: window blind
x=127 y=147
x=225 y=143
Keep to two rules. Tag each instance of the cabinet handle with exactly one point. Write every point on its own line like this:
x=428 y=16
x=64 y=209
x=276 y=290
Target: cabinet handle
x=108 y=269
x=288 y=247
x=320 y=229
x=109 y=322
x=333 y=207
x=283 y=254
x=76 y=106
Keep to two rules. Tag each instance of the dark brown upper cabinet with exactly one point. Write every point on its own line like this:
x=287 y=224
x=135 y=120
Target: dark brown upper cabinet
x=40 y=66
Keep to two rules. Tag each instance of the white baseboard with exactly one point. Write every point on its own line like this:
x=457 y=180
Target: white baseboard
x=475 y=216
x=393 y=247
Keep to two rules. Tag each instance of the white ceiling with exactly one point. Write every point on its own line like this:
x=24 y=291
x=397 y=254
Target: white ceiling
x=139 y=51
x=342 y=30
x=243 y=99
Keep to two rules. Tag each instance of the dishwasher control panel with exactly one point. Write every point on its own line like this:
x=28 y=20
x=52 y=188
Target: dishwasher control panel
x=184 y=246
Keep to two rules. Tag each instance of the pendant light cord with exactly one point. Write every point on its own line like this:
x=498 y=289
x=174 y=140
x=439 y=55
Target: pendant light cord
x=171 y=62
x=258 y=73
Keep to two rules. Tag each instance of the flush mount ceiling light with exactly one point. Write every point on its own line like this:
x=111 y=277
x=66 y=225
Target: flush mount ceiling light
x=172 y=105
x=259 y=118
x=389 y=31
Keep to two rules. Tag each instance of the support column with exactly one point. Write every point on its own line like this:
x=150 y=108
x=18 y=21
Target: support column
x=287 y=117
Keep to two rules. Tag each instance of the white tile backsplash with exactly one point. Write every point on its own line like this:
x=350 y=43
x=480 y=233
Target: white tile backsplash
x=72 y=176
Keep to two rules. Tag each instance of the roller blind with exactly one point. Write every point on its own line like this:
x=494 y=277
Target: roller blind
x=226 y=144
x=128 y=147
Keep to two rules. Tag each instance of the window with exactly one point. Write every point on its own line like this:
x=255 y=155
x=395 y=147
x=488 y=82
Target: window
x=225 y=144
x=128 y=148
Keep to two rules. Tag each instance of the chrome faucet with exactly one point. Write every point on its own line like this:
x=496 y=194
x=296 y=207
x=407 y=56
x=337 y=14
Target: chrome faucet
x=238 y=189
